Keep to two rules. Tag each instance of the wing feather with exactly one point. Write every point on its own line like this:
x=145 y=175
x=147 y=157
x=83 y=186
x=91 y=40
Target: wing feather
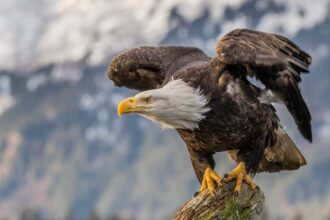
x=276 y=62
x=145 y=68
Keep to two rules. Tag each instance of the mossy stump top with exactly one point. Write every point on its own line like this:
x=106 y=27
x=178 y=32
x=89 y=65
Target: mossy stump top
x=225 y=205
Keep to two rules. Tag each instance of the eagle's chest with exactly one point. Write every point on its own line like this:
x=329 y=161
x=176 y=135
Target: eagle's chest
x=204 y=141
x=229 y=124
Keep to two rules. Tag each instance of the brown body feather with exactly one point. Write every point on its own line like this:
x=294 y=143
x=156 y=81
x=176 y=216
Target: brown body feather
x=238 y=121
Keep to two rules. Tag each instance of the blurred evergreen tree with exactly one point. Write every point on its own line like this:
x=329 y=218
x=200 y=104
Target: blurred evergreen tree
x=30 y=214
x=94 y=215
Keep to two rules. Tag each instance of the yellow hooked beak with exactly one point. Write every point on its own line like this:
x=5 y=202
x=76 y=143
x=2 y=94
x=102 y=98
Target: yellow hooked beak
x=126 y=106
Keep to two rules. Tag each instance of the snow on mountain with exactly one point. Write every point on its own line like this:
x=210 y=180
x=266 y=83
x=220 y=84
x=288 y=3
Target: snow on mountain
x=298 y=15
x=38 y=32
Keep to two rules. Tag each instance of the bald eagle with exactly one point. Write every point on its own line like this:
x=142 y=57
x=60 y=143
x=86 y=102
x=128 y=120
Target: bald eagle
x=213 y=105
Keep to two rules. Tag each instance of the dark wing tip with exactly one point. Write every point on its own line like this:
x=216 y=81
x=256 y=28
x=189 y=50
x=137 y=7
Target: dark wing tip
x=287 y=87
x=306 y=131
x=301 y=114
x=304 y=117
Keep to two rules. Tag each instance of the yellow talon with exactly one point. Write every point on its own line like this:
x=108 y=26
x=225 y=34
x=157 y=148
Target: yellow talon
x=210 y=179
x=239 y=173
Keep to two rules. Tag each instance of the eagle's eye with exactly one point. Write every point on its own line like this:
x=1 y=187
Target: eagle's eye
x=147 y=99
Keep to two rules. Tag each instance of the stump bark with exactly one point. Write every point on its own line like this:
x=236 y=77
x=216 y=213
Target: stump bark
x=225 y=205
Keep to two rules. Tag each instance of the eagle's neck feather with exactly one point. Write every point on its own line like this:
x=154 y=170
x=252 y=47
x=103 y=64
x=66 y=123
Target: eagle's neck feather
x=180 y=107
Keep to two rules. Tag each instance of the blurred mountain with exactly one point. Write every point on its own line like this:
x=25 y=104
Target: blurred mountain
x=64 y=151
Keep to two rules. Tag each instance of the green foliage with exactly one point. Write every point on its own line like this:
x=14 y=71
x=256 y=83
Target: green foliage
x=237 y=209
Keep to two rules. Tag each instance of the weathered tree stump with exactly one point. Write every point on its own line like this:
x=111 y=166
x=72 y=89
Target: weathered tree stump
x=225 y=205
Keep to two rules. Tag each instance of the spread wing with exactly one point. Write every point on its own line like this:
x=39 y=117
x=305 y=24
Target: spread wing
x=146 y=68
x=276 y=62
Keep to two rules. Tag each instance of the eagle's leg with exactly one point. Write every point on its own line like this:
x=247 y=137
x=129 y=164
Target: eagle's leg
x=210 y=180
x=239 y=173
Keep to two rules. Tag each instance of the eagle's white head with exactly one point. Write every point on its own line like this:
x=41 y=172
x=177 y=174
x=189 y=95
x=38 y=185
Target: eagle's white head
x=175 y=105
